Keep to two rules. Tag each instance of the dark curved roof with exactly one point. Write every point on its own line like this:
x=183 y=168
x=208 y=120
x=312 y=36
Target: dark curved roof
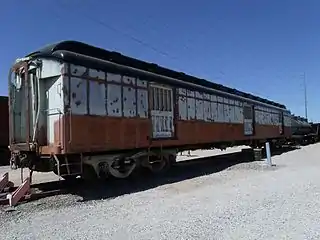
x=116 y=57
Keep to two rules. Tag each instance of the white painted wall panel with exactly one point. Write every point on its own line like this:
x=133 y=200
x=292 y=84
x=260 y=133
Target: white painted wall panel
x=97 y=74
x=238 y=114
x=207 y=111
x=190 y=93
x=129 y=80
x=207 y=97
x=183 y=113
x=182 y=91
x=97 y=98
x=220 y=113
x=76 y=70
x=199 y=95
x=129 y=102
x=51 y=68
x=142 y=103
x=78 y=95
x=213 y=98
x=226 y=113
x=112 y=77
x=191 y=108
x=232 y=114
x=199 y=109
x=214 y=111
x=142 y=83
x=55 y=103
x=114 y=107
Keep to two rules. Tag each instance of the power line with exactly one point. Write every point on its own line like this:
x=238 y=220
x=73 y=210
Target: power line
x=133 y=38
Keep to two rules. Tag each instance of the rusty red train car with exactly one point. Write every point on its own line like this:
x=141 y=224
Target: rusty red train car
x=4 y=131
x=76 y=109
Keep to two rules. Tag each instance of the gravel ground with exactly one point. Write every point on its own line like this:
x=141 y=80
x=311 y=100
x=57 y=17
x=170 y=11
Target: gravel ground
x=243 y=201
x=15 y=175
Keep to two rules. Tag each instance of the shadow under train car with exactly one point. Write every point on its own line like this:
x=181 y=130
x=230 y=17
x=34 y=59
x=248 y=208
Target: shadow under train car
x=182 y=171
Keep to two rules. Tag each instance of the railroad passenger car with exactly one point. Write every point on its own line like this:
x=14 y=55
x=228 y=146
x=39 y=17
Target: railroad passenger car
x=77 y=109
x=4 y=133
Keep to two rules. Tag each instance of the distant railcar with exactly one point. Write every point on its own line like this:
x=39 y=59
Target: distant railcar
x=303 y=132
x=80 y=110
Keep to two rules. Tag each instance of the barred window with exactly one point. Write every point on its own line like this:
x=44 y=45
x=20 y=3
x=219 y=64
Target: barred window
x=160 y=99
x=248 y=112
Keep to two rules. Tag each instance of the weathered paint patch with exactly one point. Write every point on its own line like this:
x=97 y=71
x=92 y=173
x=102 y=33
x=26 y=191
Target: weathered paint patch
x=226 y=111
x=97 y=98
x=114 y=106
x=51 y=68
x=142 y=83
x=206 y=96
x=213 y=98
x=199 y=109
x=191 y=108
x=55 y=101
x=199 y=95
x=214 y=110
x=142 y=103
x=220 y=113
x=129 y=80
x=97 y=74
x=207 y=111
x=129 y=102
x=78 y=71
x=183 y=113
x=78 y=93
x=190 y=93
x=112 y=77
x=182 y=91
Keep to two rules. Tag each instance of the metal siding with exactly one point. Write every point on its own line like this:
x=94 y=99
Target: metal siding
x=97 y=98
x=207 y=111
x=129 y=101
x=183 y=115
x=214 y=110
x=220 y=117
x=127 y=96
x=97 y=74
x=51 y=68
x=142 y=83
x=199 y=109
x=114 y=105
x=79 y=96
x=111 y=77
x=191 y=108
x=142 y=103
x=129 y=80
x=76 y=70
x=55 y=105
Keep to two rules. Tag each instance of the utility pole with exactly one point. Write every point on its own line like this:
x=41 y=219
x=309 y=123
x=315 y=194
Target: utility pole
x=305 y=96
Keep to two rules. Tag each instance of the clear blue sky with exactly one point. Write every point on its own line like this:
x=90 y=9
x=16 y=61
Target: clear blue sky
x=261 y=47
